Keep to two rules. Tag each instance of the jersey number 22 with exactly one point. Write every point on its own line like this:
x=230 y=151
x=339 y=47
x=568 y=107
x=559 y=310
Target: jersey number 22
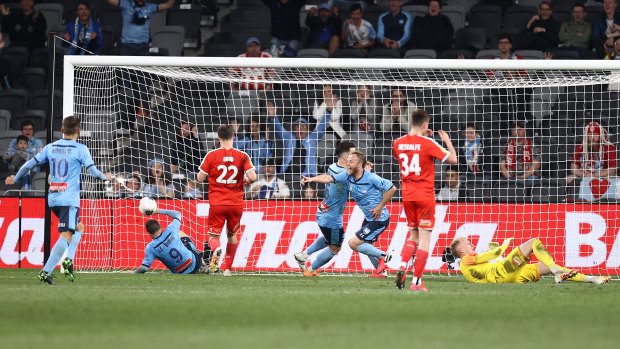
x=230 y=180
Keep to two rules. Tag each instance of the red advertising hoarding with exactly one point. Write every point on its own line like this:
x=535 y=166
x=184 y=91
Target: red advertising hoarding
x=581 y=236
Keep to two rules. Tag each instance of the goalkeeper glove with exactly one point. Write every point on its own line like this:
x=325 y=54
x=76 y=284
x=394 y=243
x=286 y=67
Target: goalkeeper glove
x=507 y=242
x=493 y=245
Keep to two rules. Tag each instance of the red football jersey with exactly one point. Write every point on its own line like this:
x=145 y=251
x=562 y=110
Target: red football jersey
x=415 y=155
x=226 y=168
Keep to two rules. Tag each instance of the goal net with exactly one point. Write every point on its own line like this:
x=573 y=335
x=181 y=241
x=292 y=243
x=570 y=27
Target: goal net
x=536 y=143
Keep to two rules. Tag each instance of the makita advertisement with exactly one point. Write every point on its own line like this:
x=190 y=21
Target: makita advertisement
x=581 y=236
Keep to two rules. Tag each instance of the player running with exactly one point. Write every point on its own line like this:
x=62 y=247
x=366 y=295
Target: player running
x=329 y=216
x=229 y=170
x=371 y=193
x=415 y=153
x=515 y=268
x=172 y=247
x=65 y=157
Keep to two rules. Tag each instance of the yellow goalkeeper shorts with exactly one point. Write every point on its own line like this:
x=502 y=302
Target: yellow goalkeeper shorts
x=516 y=269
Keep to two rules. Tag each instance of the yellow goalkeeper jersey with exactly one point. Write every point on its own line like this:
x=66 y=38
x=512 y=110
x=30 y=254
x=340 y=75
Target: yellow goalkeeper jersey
x=478 y=272
x=515 y=269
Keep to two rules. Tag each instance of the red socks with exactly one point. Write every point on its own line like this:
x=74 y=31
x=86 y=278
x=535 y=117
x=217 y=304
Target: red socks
x=420 y=262
x=408 y=251
x=231 y=251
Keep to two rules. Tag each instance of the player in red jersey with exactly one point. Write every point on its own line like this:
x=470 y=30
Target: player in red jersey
x=229 y=170
x=415 y=153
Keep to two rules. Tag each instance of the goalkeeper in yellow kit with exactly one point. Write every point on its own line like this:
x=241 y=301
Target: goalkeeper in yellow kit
x=516 y=267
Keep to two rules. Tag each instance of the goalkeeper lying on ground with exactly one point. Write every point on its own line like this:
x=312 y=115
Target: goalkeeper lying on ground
x=515 y=268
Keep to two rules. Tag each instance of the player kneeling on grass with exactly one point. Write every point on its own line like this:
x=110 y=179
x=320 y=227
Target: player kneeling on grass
x=515 y=268
x=371 y=193
x=65 y=158
x=171 y=246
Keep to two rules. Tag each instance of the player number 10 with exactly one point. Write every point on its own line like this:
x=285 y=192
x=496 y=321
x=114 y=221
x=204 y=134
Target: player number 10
x=225 y=170
x=410 y=167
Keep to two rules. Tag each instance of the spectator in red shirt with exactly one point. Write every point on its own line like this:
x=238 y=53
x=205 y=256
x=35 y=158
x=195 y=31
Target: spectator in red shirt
x=521 y=159
x=595 y=156
x=253 y=50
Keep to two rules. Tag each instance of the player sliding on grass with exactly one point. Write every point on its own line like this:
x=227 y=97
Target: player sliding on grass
x=172 y=247
x=329 y=216
x=515 y=268
x=229 y=170
x=66 y=158
x=371 y=193
x=415 y=152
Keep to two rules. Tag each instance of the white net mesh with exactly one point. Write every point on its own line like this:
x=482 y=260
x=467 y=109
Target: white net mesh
x=526 y=124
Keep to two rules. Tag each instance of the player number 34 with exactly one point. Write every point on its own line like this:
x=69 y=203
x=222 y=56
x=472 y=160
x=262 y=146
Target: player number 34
x=410 y=167
x=234 y=170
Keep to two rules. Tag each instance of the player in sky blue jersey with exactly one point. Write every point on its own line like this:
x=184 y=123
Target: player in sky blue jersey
x=66 y=158
x=329 y=216
x=171 y=246
x=371 y=193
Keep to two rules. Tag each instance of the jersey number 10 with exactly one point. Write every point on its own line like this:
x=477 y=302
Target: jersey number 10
x=410 y=167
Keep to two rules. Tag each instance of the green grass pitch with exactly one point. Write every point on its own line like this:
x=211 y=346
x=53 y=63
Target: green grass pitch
x=113 y=310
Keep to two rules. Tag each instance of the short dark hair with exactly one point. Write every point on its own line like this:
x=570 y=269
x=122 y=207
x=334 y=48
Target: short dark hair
x=70 y=125
x=344 y=147
x=83 y=2
x=360 y=156
x=225 y=132
x=579 y=4
x=452 y=168
x=26 y=123
x=470 y=124
x=548 y=3
x=519 y=124
x=152 y=226
x=22 y=138
x=137 y=177
x=269 y=162
x=504 y=36
x=355 y=7
x=419 y=117
x=439 y=2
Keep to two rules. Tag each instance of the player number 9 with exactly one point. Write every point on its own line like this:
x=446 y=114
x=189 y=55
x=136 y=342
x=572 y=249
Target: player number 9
x=174 y=253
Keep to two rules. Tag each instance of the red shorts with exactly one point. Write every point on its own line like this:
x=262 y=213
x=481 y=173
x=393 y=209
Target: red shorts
x=220 y=214
x=420 y=214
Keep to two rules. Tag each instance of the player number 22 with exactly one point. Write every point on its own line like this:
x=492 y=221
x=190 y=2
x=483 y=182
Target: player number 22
x=410 y=167
x=225 y=170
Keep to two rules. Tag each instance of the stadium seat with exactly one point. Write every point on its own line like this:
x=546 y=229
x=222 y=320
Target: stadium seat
x=30 y=79
x=474 y=39
x=415 y=10
x=486 y=54
x=348 y=53
x=593 y=12
x=487 y=17
x=158 y=20
x=510 y=192
x=13 y=100
x=383 y=53
x=312 y=53
x=517 y=17
x=420 y=54
x=5 y=121
x=112 y=18
x=456 y=15
x=565 y=54
x=455 y=53
x=187 y=16
x=53 y=14
x=534 y=3
x=363 y=142
x=38 y=181
x=38 y=100
x=563 y=13
x=17 y=56
x=326 y=149
x=110 y=39
x=37 y=117
x=170 y=38
x=530 y=54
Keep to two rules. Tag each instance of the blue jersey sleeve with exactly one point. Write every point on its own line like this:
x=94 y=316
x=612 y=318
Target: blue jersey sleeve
x=174 y=226
x=43 y=156
x=340 y=177
x=87 y=161
x=149 y=257
x=381 y=183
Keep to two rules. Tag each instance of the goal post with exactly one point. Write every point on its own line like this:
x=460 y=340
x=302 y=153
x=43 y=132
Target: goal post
x=133 y=108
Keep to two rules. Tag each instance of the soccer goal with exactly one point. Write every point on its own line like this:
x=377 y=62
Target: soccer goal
x=519 y=119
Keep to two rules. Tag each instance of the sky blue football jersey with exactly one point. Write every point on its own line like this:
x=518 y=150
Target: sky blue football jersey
x=367 y=191
x=169 y=249
x=331 y=209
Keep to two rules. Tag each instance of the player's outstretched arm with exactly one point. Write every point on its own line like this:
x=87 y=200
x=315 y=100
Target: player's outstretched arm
x=494 y=253
x=141 y=270
x=250 y=177
x=29 y=165
x=170 y=213
x=324 y=178
x=452 y=159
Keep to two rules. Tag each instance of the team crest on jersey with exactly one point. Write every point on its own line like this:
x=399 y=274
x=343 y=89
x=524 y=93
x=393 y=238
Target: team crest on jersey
x=364 y=191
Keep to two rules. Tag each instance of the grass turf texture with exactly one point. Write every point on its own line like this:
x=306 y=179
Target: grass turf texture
x=113 y=310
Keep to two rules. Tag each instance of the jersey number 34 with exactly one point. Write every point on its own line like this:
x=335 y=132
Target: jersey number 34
x=408 y=167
